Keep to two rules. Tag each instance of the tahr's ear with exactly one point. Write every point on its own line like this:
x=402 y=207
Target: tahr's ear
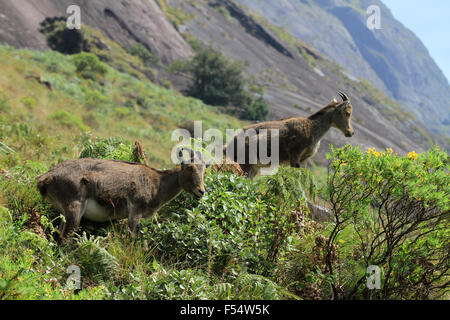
x=180 y=155
x=343 y=104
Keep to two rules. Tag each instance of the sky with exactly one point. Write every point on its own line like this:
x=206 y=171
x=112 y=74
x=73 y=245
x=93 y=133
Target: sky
x=430 y=21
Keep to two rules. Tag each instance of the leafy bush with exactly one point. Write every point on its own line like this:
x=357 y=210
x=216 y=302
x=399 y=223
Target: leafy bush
x=236 y=226
x=122 y=112
x=196 y=232
x=68 y=119
x=255 y=287
x=111 y=148
x=21 y=253
x=19 y=188
x=96 y=263
x=177 y=285
x=216 y=80
x=89 y=66
x=138 y=50
x=28 y=102
x=33 y=267
x=94 y=99
x=255 y=109
x=392 y=212
x=62 y=39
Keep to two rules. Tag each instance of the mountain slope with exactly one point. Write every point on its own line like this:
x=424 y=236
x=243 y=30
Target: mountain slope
x=48 y=108
x=297 y=79
x=126 y=22
x=393 y=58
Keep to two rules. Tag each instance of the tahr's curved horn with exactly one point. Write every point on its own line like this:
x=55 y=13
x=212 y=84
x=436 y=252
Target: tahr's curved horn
x=343 y=96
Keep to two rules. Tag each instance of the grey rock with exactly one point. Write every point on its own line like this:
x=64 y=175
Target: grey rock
x=124 y=21
x=393 y=58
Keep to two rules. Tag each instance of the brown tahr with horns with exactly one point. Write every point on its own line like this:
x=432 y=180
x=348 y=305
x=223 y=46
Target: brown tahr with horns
x=299 y=138
x=102 y=190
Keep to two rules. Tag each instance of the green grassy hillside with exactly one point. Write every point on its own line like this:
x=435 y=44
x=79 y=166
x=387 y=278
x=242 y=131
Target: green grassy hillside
x=243 y=240
x=47 y=106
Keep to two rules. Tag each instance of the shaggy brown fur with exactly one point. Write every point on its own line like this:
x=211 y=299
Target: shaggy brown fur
x=233 y=168
x=299 y=138
x=102 y=190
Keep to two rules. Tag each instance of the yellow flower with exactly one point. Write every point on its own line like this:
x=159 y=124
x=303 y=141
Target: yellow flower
x=413 y=155
x=373 y=151
x=389 y=151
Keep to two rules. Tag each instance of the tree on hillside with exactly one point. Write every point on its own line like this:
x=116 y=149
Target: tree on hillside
x=220 y=82
x=217 y=81
x=62 y=39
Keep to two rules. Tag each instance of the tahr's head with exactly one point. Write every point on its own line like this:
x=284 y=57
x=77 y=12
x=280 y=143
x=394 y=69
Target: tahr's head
x=342 y=116
x=192 y=172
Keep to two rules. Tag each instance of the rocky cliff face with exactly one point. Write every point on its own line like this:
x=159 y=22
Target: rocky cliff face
x=393 y=58
x=124 y=21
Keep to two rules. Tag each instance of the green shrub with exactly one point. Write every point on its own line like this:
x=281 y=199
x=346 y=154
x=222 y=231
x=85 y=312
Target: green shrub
x=216 y=80
x=33 y=267
x=68 y=119
x=94 y=99
x=22 y=275
x=255 y=109
x=177 y=285
x=28 y=102
x=62 y=39
x=110 y=148
x=95 y=262
x=20 y=190
x=89 y=66
x=122 y=112
x=392 y=212
x=138 y=50
x=207 y=232
x=255 y=287
x=236 y=226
